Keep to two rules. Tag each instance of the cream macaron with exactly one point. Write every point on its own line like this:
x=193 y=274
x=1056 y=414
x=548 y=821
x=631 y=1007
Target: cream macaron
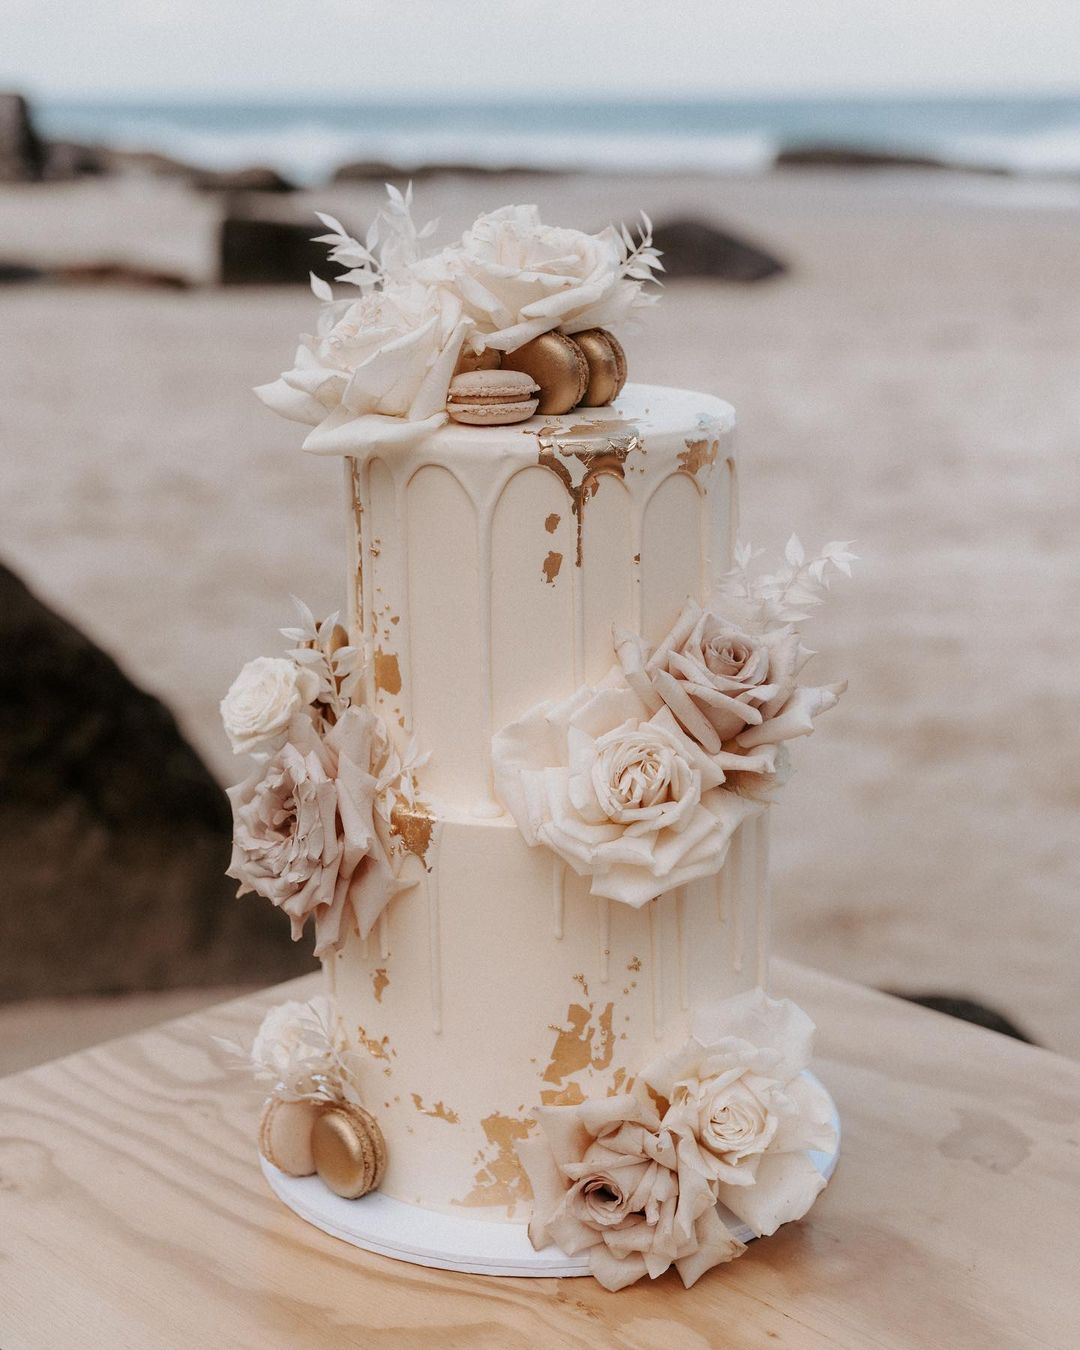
x=492 y=398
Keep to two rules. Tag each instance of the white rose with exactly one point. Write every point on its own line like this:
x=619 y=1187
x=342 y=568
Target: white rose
x=262 y=701
x=738 y=1086
x=622 y=797
x=288 y=1048
x=518 y=278
x=378 y=371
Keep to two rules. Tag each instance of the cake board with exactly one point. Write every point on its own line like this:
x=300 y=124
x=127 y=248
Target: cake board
x=378 y=1223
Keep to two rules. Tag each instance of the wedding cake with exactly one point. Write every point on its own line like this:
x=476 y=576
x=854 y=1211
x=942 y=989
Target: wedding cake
x=520 y=786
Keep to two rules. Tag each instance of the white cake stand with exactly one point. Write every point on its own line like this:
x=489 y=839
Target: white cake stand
x=406 y=1232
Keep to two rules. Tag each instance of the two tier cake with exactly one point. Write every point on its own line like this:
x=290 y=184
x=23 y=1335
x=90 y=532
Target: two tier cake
x=521 y=786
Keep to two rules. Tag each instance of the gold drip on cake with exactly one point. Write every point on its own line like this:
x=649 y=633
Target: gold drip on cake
x=604 y=905
x=700 y=453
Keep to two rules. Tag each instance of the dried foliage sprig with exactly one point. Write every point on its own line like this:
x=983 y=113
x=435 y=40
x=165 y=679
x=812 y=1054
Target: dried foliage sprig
x=794 y=589
x=641 y=259
x=301 y=1054
x=324 y=648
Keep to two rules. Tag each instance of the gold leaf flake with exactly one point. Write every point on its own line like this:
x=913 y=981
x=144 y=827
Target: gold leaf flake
x=550 y=567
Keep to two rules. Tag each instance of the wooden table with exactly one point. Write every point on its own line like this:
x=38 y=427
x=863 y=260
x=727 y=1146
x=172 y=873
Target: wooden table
x=133 y=1214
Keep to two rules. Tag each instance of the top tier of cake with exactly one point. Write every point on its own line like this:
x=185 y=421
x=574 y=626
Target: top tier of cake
x=490 y=564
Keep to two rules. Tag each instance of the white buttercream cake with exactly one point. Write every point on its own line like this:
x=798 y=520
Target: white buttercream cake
x=521 y=785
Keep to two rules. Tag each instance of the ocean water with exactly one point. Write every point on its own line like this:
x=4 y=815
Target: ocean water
x=1026 y=135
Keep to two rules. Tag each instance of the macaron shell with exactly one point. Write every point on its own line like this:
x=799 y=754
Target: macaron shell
x=558 y=366
x=620 y=359
x=492 y=414
x=492 y=386
x=603 y=367
x=285 y=1135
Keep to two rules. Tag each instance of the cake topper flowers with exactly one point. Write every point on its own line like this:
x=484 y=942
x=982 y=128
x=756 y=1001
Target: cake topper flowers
x=378 y=367
x=641 y=782
x=312 y=825
x=729 y=1119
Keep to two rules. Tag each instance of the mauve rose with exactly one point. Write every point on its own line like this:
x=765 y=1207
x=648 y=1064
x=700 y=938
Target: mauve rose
x=262 y=701
x=311 y=828
x=609 y=1178
x=285 y=833
x=723 y=685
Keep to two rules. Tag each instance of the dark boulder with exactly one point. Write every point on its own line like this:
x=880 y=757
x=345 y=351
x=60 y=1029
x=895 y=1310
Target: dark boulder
x=378 y=171
x=968 y=1010
x=258 y=178
x=65 y=160
x=855 y=157
x=692 y=248
x=17 y=273
x=22 y=151
x=108 y=273
x=114 y=835
x=263 y=251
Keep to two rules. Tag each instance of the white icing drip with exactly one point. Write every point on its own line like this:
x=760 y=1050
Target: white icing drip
x=401 y=520
x=604 y=907
x=558 y=895
x=352 y=544
x=733 y=511
x=384 y=934
x=366 y=607
x=431 y=883
x=735 y=865
x=484 y=518
x=722 y=884
x=636 y=566
x=762 y=898
x=680 y=939
x=655 y=968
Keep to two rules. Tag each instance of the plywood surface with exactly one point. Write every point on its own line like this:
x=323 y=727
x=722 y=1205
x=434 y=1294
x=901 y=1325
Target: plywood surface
x=133 y=1213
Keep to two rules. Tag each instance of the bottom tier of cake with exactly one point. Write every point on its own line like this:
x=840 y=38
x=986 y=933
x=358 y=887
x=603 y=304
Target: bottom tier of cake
x=405 y=1232
x=498 y=983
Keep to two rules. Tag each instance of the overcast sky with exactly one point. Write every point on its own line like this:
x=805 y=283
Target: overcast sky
x=640 y=48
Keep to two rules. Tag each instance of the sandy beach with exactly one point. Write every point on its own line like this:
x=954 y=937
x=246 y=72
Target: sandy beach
x=911 y=384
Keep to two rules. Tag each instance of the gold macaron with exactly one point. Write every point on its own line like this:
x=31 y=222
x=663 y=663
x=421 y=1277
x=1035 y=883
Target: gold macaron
x=349 y=1150
x=491 y=398
x=488 y=359
x=607 y=366
x=285 y=1135
x=558 y=366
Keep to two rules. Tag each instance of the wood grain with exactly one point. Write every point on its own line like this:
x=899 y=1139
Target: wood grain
x=133 y=1214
